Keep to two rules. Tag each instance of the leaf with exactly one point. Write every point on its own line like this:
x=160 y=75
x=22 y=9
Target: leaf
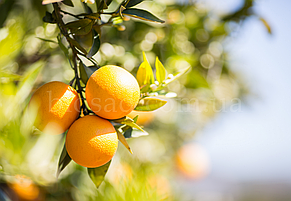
x=64 y=160
x=44 y=2
x=90 y=70
x=177 y=75
x=87 y=8
x=266 y=24
x=5 y=8
x=141 y=14
x=196 y=80
x=145 y=75
x=94 y=16
x=132 y=3
x=96 y=45
x=128 y=121
x=68 y=3
x=135 y=119
x=83 y=73
x=123 y=140
x=49 y=18
x=137 y=133
x=63 y=48
x=46 y=40
x=163 y=94
x=108 y=2
x=77 y=45
x=134 y=133
x=80 y=27
x=101 y=5
x=86 y=41
x=27 y=80
x=149 y=104
x=160 y=71
x=128 y=133
x=97 y=174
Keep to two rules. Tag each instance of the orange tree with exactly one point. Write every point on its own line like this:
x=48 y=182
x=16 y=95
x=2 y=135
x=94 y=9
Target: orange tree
x=87 y=143
x=192 y=36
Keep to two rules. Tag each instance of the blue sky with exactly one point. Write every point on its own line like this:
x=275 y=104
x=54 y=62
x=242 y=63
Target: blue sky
x=255 y=143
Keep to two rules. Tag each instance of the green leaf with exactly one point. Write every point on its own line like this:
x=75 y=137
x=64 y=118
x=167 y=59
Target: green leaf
x=164 y=94
x=123 y=140
x=149 y=104
x=80 y=27
x=5 y=8
x=128 y=121
x=160 y=71
x=96 y=45
x=68 y=3
x=64 y=160
x=90 y=70
x=49 y=18
x=94 y=16
x=128 y=133
x=101 y=5
x=176 y=76
x=87 y=8
x=46 y=40
x=97 y=174
x=141 y=14
x=134 y=133
x=83 y=73
x=28 y=79
x=132 y=3
x=137 y=133
x=77 y=45
x=196 y=80
x=86 y=41
x=61 y=45
x=108 y=2
x=145 y=75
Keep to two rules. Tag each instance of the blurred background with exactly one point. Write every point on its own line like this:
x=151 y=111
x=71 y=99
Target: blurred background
x=225 y=137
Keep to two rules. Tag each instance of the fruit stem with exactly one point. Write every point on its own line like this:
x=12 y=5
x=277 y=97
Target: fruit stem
x=64 y=31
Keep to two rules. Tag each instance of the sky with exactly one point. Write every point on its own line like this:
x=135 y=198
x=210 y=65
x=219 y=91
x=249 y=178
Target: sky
x=254 y=144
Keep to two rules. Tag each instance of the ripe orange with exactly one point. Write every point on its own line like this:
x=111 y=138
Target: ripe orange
x=112 y=92
x=193 y=161
x=58 y=106
x=91 y=141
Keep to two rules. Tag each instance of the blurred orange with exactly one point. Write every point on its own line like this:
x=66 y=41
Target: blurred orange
x=144 y=118
x=193 y=161
x=25 y=188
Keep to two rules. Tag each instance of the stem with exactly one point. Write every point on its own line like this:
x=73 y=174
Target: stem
x=64 y=31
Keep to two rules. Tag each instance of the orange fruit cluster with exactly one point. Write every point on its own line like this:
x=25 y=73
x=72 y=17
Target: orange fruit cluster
x=111 y=93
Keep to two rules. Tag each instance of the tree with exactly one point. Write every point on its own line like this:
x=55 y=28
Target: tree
x=190 y=38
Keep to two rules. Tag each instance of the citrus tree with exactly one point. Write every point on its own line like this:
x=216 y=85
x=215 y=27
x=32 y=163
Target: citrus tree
x=108 y=56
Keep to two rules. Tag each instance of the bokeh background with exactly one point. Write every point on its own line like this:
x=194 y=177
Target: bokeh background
x=225 y=136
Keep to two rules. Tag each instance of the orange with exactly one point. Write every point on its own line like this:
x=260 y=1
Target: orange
x=58 y=106
x=112 y=92
x=144 y=118
x=25 y=188
x=193 y=161
x=91 y=141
